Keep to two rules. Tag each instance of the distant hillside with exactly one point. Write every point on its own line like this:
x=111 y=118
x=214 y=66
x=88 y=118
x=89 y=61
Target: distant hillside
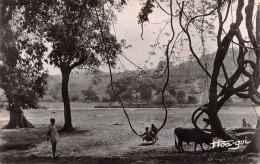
x=77 y=83
x=187 y=76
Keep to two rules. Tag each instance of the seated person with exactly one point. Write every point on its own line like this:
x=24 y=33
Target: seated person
x=154 y=130
x=148 y=135
x=245 y=124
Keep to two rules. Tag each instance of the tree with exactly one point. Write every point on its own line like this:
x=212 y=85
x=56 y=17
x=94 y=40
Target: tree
x=75 y=98
x=192 y=100
x=145 y=86
x=90 y=95
x=172 y=90
x=127 y=95
x=23 y=87
x=200 y=21
x=22 y=77
x=187 y=81
x=72 y=27
x=122 y=87
x=181 y=97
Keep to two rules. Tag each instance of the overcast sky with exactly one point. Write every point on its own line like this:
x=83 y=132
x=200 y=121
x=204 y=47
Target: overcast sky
x=127 y=28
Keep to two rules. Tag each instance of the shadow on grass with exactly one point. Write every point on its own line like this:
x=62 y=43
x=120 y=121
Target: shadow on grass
x=22 y=139
x=147 y=144
x=16 y=146
x=80 y=160
x=26 y=138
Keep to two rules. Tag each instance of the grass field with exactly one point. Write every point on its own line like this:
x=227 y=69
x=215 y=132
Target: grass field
x=105 y=133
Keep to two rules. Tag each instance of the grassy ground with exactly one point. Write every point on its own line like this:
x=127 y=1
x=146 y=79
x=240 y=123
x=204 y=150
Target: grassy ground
x=104 y=136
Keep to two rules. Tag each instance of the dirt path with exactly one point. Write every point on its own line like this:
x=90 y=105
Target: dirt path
x=85 y=147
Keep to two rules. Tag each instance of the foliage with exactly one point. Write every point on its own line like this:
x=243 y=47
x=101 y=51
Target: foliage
x=90 y=95
x=127 y=95
x=24 y=84
x=73 y=29
x=48 y=99
x=145 y=11
x=75 y=98
x=23 y=77
x=187 y=81
x=192 y=100
x=172 y=89
x=121 y=85
x=181 y=97
x=144 y=87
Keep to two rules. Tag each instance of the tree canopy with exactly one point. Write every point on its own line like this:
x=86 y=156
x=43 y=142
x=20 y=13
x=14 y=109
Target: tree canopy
x=73 y=30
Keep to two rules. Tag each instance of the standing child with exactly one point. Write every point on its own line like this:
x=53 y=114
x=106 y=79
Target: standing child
x=52 y=135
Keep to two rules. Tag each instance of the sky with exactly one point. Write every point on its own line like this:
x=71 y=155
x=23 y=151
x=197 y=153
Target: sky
x=127 y=27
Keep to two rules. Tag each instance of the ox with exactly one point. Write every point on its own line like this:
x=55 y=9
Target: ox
x=191 y=135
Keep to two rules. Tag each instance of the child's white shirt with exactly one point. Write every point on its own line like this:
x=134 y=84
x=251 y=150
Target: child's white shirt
x=54 y=136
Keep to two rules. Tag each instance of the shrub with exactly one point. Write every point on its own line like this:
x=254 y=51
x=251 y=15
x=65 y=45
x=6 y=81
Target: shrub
x=181 y=97
x=194 y=91
x=187 y=81
x=47 y=98
x=192 y=100
x=75 y=98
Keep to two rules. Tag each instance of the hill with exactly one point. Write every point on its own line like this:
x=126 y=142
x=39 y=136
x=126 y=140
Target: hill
x=78 y=82
x=133 y=85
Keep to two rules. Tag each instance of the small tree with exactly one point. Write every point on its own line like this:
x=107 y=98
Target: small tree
x=172 y=90
x=186 y=81
x=127 y=95
x=145 y=89
x=192 y=100
x=75 y=98
x=122 y=85
x=89 y=94
x=181 y=97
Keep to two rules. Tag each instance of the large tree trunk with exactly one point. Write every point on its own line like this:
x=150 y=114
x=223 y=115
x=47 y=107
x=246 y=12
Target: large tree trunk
x=17 y=119
x=223 y=46
x=66 y=101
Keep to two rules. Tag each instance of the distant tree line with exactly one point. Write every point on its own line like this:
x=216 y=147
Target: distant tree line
x=133 y=88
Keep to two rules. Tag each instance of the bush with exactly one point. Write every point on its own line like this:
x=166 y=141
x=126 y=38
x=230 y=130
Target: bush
x=181 y=97
x=89 y=95
x=56 y=97
x=47 y=98
x=187 y=81
x=192 y=100
x=104 y=99
x=194 y=91
x=75 y=98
